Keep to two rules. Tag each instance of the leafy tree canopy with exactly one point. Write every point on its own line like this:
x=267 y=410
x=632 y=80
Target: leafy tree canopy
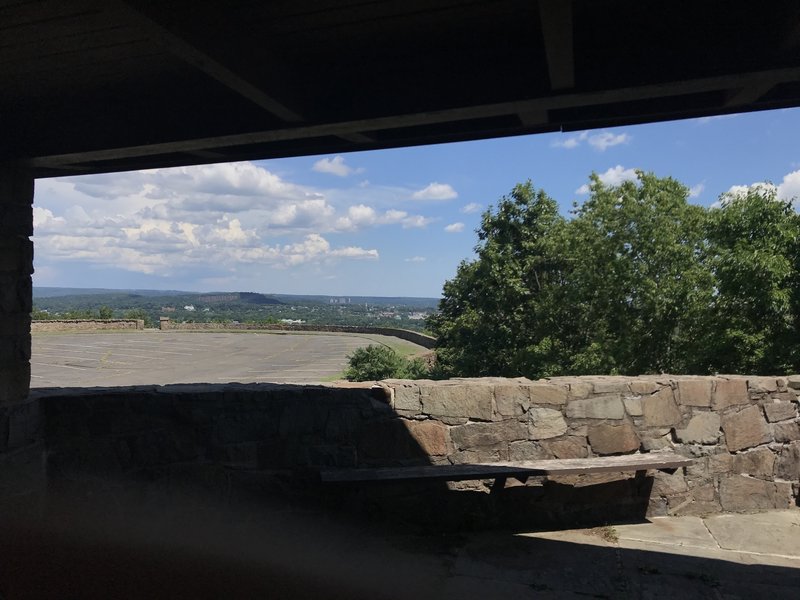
x=638 y=280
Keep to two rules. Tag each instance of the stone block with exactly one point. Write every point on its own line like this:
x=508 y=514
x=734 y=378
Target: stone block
x=633 y=405
x=406 y=397
x=694 y=392
x=512 y=400
x=613 y=439
x=793 y=381
x=668 y=484
x=545 y=393
x=745 y=429
x=730 y=392
x=459 y=401
x=570 y=447
x=432 y=436
x=643 y=387
x=780 y=411
x=660 y=409
x=545 y=423
x=611 y=385
x=473 y=435
x=703 y=428
x=580 y=389
x=758 y=463
x=599 y=407
x=786 y=432
x=527 y=450
x=652 y=444
x=720 y=463
x=762 y=385
x=495 y=453
x=787 y=466
x=740 y=493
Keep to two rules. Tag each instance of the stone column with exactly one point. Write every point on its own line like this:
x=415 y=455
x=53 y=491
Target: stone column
x=21 y=448
x=16 y=267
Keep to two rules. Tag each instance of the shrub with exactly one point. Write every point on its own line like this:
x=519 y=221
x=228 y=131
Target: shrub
x=381 y=362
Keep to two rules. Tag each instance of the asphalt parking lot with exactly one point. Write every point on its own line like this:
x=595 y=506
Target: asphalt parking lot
x=156 y=357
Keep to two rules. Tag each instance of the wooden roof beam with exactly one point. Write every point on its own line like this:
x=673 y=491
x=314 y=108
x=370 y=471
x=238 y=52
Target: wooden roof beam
x=557 y=32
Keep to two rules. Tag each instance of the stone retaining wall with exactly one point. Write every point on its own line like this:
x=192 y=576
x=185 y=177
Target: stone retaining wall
x=85 y=324
x=270 y=439
x=415 y=337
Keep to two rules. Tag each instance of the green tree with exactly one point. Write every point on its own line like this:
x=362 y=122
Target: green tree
x=381 y=362
x=139 y=313
x=621 y=287
x=754 y=239
x=105 y=312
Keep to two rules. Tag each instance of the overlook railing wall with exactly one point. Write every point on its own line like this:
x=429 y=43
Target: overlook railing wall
x=268 y=440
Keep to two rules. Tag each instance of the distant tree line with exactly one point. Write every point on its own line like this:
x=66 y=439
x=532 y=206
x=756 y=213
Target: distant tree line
x=635 y=280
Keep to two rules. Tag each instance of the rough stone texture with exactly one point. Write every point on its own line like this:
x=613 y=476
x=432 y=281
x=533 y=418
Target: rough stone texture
x=526 y=450
x=703 y=428
x=738 y=493
x=548 y=394
x=16 y=266
x=780 y=411
x=758 y=463
x=545 y=423
x=599 y=407
x=788 y=464
x=86 y=324
x=786 y=432
x=613 y=439
x=660 y=409
x=611 y=385
x=406 y=397
x=580 y=389
x=643 y=387
x=470 y=401
x=667 y=484
x=745 y=429
x=432 y=436
x=793 y=381
x=654 y=444
x=570 y=447
x=762 y=385
x=633 y=406
x=512 y=400
x=730 y=392
x=487 y=434
x=694 y=392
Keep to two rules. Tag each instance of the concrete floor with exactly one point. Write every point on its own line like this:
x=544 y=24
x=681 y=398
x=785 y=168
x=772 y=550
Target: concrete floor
x=155 y=357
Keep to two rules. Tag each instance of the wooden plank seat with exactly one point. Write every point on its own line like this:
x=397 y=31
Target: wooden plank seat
x=521 y=471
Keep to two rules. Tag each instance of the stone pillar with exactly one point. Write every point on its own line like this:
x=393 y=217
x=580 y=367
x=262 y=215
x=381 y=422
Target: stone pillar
x=21 y=447
x=16 y=267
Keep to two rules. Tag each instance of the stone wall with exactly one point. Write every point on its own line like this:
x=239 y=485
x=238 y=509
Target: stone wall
x=85 y=324
x=415 y=337
x=22 y=480
x=270 y=440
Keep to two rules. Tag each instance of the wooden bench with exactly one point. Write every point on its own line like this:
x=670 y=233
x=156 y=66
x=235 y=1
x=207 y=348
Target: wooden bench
x=521 y=471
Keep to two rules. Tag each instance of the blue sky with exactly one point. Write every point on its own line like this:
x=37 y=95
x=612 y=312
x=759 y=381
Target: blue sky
x=383 y=223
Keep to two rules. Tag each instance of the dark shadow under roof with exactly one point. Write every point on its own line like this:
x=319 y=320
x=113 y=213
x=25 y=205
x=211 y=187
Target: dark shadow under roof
x=109 y=85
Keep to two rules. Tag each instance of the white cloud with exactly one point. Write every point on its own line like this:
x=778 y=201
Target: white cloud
x=335 y=166
x=471 y=208
x=789 y=188
x=360 y=216
x=454 y=228
x=605 y=139
x=696 y=190
x=613 y=176
x=415 y=259
x=435 y=191
x=599 y=141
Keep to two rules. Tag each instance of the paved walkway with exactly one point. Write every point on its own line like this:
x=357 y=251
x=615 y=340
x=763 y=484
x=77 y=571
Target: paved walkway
x=113 y=358
x=720 y=557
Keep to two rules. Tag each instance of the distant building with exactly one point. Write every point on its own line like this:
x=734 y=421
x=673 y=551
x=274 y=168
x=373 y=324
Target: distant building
x=167 y=309
x=189 y=307
x=418 y=316
x=292 y=321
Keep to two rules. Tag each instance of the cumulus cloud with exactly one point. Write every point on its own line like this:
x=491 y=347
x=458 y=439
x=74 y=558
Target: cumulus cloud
x=454 y=228
x=471 y=208
x=360 y=216
x=212 y=218
x=599 y=141
x=613 y=176
x=789 y=188
x=435 y=191
x=696 y=190
x=335 y=166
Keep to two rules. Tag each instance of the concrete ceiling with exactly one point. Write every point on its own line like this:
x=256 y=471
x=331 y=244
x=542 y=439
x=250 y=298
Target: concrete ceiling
x=109 y=85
